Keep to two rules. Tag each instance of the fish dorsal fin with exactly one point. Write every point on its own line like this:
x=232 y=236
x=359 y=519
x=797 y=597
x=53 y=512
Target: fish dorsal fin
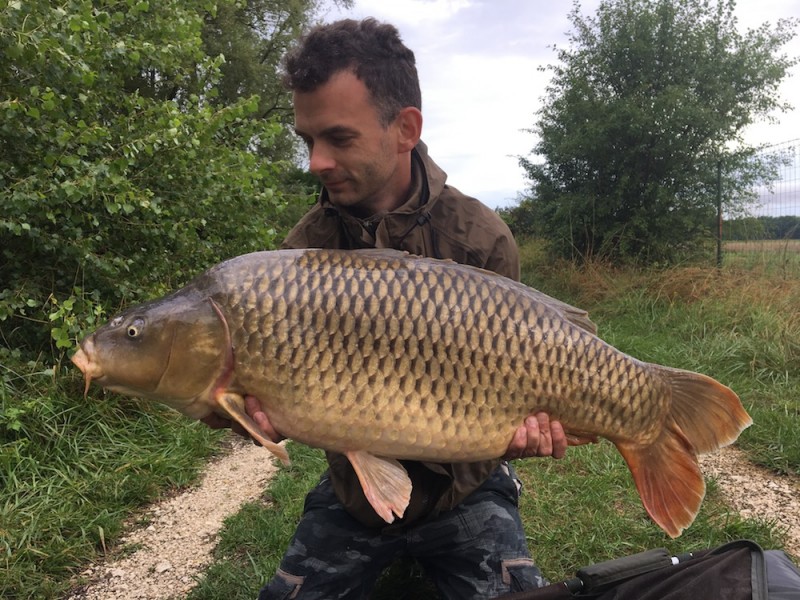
x=385 y=482
x=576 y=316
x=233 y=405
x=392 y=254
x=381 y=252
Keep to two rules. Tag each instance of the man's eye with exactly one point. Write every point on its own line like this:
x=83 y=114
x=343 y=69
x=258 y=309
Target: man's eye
x=341 y=141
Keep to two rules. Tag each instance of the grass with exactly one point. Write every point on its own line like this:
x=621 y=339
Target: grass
x=72 y=470
x=577 y=511
x=777 y=257
x=584 y=509
x=740 y=328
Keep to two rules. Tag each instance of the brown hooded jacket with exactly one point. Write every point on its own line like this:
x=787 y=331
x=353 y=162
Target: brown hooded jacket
x=436 y=221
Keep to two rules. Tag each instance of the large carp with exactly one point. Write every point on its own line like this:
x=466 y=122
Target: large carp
x=382 y=356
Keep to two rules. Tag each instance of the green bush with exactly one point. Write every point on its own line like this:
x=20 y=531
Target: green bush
x=117 y=175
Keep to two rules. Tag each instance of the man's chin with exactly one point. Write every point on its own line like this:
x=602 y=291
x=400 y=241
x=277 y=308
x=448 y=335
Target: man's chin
x=342 y=197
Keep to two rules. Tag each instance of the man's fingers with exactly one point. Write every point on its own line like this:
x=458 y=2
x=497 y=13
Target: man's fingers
x=252 y=405
x=545 y=441
x=253 y=408
x=559 y=439
x=539 y=436
x=517 y=446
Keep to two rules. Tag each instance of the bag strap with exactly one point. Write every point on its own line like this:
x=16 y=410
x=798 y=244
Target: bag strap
x=602 y=575
x=758 y=566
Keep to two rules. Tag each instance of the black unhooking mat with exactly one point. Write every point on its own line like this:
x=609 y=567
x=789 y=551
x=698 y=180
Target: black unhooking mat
x=739 y=570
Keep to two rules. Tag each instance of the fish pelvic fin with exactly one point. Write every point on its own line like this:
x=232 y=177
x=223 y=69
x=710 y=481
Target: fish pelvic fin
x=233 y=404
x=704 y=416
x=668 y=479
x=385 y=482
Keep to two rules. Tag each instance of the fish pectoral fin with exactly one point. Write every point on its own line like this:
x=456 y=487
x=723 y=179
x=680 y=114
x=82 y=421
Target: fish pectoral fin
x=668 y=478
x=233 y=404
x=385 y=483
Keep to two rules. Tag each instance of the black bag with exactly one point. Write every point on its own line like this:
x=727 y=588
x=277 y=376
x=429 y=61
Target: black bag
x=739 y=570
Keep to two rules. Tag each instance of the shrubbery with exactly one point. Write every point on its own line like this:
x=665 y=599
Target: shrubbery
x=119 y=176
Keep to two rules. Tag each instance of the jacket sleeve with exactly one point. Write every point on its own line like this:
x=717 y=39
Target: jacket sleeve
x=503 y=258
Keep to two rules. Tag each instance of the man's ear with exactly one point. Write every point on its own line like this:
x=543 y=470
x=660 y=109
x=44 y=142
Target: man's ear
x=409 y=128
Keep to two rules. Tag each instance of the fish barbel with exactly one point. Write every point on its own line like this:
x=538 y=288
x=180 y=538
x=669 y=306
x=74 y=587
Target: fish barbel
x=381 y=356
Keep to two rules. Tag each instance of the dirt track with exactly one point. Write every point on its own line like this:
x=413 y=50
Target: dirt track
x=176 y=546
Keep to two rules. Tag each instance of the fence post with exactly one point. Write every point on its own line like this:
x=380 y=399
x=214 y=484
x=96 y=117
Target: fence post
x=719 y=214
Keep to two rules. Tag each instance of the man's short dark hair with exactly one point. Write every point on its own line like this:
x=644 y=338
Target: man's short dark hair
x=373 y=51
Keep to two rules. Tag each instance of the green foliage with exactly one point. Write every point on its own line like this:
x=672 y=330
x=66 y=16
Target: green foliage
x=521 y=219
x=253 y=36
x=117 y=172
x=72 y=472
x=763 y=228
x=646 y=104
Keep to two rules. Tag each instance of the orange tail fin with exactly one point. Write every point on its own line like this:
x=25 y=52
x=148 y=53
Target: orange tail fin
x=704 y=416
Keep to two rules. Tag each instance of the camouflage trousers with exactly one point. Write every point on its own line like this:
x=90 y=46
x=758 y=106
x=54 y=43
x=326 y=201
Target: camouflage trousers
x=477 y=550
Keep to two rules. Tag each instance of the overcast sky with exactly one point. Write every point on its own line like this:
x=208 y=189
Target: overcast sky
x=478 y=61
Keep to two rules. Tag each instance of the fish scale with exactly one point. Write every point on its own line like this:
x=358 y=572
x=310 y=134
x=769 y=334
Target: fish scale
x=381 y=356
x=367 y=323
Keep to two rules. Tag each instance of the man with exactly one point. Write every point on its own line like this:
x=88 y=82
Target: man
x=358 y=108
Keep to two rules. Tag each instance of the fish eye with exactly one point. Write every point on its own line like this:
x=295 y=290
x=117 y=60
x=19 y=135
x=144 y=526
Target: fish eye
x=135 y=328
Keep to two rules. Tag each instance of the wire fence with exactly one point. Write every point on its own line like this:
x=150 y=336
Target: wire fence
x=768 y=236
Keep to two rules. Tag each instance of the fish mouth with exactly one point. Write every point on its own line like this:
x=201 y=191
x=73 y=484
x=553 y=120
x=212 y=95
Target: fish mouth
x=83 y=359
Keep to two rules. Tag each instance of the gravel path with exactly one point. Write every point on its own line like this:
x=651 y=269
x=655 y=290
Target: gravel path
x=176 y=546
x=757 y=493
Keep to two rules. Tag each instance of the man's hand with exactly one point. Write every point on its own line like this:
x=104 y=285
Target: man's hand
x=538 y=437
x=253 y=408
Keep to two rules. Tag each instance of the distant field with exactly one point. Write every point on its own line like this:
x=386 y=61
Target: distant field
x=776 y=246
x=778 y=257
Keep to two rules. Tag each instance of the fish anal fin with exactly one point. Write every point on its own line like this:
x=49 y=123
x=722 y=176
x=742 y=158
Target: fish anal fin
x=580 y=440
x=576 y=437
x=385 y=482
x=233 y=404
x=668 y=478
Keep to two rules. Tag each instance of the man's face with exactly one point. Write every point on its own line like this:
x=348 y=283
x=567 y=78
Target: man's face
x=352 y=153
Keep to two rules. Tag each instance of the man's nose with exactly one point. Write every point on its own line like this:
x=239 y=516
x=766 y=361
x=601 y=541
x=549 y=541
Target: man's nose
x=321 y=160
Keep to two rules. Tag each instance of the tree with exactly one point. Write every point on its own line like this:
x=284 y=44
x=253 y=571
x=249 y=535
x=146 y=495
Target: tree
x=644 y=112
x=118 y=175
x=253 y=37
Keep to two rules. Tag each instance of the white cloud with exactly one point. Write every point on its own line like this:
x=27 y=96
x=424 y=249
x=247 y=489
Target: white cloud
x=478 y=61
x=424 y=13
